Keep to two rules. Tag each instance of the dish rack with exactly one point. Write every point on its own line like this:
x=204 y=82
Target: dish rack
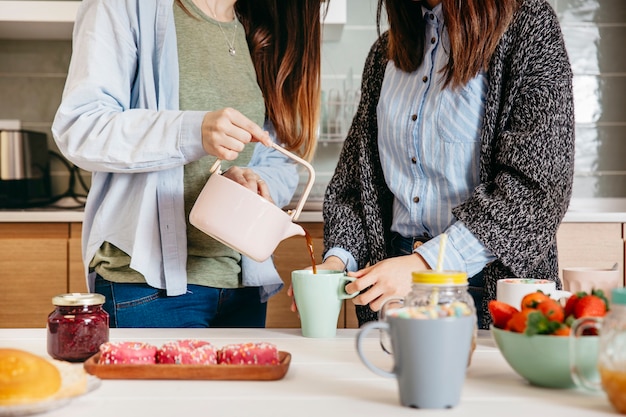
x=338 y=109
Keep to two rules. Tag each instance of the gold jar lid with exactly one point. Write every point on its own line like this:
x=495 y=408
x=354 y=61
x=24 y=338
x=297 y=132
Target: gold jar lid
x=78 y=299
x=440 y=277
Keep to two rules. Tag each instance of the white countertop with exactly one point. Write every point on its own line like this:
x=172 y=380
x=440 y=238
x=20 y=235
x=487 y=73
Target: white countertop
x=325 y=378
x=592 y=210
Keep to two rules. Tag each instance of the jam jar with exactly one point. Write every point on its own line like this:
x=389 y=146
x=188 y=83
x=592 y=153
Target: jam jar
x=77 y=326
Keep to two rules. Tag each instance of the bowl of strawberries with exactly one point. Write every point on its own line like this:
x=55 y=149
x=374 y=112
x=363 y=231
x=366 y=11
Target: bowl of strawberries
x=535 y=339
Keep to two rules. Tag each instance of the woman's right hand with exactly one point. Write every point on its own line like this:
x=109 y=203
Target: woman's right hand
x=332 y=263
x=225 y=132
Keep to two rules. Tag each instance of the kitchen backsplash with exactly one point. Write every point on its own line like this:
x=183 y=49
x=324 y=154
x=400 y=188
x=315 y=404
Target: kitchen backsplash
x=33 y=73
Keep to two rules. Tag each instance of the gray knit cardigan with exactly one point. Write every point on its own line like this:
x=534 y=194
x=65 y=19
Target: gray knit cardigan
x=526 y=161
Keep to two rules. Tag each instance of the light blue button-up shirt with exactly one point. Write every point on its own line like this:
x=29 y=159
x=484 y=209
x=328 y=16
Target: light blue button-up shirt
x=429 y=144
x=120 y=118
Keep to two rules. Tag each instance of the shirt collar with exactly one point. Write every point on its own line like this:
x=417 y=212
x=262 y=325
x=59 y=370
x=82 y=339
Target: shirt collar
x=434 y=15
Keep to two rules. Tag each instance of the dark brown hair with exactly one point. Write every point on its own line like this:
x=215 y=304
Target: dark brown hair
x=474 y=28
x=284 y=37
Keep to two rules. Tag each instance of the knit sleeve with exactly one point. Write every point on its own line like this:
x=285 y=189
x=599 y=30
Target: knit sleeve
x=528 y=143
x=352 y=209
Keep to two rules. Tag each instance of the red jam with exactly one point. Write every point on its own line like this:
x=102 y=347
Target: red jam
x=77 y=327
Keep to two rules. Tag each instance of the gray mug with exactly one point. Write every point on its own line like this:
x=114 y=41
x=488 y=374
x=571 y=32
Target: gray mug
x=430 y=358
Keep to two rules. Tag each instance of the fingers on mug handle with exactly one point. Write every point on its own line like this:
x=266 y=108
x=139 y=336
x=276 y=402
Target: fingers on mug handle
x=344 y=295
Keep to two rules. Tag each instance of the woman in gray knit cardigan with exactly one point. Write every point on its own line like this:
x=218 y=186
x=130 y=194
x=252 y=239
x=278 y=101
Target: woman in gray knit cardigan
x=465 y=127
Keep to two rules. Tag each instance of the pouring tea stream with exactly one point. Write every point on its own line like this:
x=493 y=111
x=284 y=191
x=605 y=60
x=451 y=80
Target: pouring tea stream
x=243 y=220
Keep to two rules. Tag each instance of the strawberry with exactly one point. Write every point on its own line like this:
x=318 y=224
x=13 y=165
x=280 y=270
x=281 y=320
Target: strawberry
x=533 y=299
x=600 y=293
x=538 y=323
x=519 y=320
x=570 y=305
x=501 y=313
x=552 y=310
x=590 y=306
x=564 y=330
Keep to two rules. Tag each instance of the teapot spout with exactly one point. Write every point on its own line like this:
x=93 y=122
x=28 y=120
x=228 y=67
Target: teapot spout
x=293 y=230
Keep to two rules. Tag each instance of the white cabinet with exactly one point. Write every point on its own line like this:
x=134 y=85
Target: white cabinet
x=51 y=20
x=333 y=19
x=54 y=20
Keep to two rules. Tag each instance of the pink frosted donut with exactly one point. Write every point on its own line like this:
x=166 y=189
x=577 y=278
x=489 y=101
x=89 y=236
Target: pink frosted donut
x=188 y=352
x=127 y=353
x=249 y=354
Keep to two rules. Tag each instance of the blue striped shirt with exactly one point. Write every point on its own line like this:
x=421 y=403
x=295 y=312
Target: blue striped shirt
x=429 y=144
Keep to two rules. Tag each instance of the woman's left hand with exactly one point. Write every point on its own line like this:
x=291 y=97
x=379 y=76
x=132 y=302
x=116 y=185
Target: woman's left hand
x=390 y=278
x=249 y=179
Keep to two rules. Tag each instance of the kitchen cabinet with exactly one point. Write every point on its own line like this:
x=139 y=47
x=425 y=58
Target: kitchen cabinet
x=54 y=20
x=41 y=259
x=51 y=20
x=594 y=245
x=33 y=269
x=76 y=268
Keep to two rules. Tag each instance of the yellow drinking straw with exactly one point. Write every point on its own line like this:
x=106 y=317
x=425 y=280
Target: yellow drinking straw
x=442 y=250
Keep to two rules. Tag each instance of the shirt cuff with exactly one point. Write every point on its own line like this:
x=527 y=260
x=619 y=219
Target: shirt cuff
x=345 y=256
x=463 y=252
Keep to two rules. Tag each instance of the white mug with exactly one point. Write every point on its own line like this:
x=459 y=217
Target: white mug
x=513 y=290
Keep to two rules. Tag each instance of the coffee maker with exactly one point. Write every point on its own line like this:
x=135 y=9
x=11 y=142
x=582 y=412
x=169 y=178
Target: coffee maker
x=24 y=169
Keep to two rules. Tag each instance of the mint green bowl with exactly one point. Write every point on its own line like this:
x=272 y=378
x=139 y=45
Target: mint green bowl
x=544 y=360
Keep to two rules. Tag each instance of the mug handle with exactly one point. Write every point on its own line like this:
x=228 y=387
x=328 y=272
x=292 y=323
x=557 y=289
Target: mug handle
x=364 y=331
x=344 y=295
x=578 y=327
x=385 y=340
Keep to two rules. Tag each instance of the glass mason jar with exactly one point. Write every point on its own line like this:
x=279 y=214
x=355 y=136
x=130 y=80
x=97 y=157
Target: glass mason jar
x=77 y=326
x=434 y=295
x=612 y=350
x=440 y=294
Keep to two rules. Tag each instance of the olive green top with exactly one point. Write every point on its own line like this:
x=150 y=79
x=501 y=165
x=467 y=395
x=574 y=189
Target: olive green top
x=210 y=79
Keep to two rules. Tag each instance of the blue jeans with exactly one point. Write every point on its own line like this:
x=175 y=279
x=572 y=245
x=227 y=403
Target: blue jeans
x=140 y=305
x=404 y=246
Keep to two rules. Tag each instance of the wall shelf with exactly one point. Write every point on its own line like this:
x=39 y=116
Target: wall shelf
x=54 y=20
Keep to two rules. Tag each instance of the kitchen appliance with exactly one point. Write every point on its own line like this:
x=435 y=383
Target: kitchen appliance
x=24 y=169
x=243 y=220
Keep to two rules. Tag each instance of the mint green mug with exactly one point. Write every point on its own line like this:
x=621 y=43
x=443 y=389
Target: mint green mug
x=319 y=298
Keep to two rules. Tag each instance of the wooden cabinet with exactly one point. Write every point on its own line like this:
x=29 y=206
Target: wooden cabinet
x=595 y=245
x=76 y=267
x=33 y=269
x=41 y=260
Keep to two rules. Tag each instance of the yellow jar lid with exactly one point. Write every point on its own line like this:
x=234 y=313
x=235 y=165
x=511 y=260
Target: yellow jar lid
x=440 y=277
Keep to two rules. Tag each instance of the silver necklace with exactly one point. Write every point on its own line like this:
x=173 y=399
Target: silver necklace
x=231 y=45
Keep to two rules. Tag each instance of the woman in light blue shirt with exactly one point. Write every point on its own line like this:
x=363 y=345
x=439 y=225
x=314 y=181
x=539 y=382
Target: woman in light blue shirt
x=156 y=92
x=465 y=127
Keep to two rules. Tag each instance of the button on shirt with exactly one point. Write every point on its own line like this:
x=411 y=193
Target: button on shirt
x=429 y=144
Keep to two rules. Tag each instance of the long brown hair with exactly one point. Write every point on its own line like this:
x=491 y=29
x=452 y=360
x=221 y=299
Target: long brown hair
x=284 y=37
x=474 y=28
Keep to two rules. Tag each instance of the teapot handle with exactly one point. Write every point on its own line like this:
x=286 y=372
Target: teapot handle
x=309 y=184
x=216 y=168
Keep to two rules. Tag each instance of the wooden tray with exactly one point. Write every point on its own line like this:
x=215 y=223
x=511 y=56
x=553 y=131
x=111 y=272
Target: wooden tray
x=169 y=371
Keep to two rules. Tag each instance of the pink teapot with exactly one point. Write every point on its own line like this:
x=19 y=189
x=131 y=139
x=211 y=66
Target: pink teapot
x=243 y=220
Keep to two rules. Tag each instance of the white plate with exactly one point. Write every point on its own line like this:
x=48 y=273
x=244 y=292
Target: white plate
x=46 y=405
